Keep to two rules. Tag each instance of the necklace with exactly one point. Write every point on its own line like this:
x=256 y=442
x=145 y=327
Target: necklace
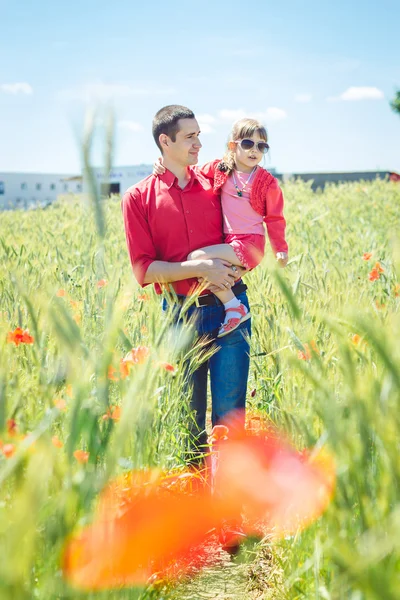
x=235 y=183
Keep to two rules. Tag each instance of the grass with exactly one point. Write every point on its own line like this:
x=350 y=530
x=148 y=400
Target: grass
x=343 y=392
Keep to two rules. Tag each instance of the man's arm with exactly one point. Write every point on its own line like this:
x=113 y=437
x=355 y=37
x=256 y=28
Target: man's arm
x=142 y=253
x=215 y=271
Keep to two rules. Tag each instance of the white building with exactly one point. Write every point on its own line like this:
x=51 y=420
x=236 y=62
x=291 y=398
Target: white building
x=119 y=179
x=25 y=190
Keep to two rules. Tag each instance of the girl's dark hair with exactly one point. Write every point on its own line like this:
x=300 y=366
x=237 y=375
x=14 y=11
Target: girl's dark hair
x=166 y=121
x=244 y=128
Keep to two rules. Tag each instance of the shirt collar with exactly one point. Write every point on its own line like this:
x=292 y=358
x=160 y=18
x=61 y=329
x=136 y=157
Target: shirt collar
x=169 y=178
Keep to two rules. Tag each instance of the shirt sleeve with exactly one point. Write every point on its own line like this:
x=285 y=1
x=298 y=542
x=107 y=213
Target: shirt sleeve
x=274 y=219
x=208 y=170
x=141 y=249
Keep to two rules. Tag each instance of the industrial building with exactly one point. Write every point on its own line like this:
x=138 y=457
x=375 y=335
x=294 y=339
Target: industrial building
x=33 y=190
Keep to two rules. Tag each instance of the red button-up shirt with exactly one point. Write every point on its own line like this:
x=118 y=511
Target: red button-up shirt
x=164 y=222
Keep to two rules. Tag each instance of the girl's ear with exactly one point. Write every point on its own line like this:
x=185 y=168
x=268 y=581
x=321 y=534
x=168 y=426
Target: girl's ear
x=231 y=146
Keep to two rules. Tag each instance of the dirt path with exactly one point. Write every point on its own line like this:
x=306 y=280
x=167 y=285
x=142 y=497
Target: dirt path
x=252 y=575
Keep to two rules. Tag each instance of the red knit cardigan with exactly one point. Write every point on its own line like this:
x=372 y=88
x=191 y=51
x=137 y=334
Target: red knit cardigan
x=266 y=199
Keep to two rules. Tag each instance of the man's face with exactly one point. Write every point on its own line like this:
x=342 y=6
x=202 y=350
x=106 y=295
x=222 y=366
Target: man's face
x=185 y=149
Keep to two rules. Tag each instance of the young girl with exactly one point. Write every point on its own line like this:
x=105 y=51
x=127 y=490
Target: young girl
x=250 y=196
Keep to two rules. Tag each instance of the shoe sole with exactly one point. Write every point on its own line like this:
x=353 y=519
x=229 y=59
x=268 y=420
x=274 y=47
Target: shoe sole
x=242 y=320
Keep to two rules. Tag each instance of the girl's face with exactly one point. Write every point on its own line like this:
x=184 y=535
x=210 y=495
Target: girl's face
x=247 y=158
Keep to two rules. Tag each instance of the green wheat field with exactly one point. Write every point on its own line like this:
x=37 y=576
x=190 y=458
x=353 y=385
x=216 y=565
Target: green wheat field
x=325 y=368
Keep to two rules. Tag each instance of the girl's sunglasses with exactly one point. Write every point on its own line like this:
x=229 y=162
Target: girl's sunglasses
x=246 y=144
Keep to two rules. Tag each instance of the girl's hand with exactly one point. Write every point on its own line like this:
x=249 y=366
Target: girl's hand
x=158 y=167
x=282 y=259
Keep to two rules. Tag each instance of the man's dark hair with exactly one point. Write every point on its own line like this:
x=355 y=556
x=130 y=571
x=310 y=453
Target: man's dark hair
x=166 y=121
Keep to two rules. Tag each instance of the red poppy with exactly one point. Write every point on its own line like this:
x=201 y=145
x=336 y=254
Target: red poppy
x=167 y=366
x=274 y=484
x=56 y=442
x=135 y=356
x=374 y=275
x=81 y=456
x=112 y=373
x=12 y=428
x=61 y=293
x=356 y=339
x=153 y=527
x=147 y=522
x=102 y=283
x=306 y=354
x=114 y=413
x=20 y=336
x=379 y=267
x=367 y=255
x=60 y=403
x=8 y=450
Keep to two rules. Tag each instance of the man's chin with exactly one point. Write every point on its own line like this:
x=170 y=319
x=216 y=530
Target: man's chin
x=193 y=159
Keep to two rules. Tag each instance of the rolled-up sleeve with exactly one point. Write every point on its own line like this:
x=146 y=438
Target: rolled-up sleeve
x=274 y=219
x=139 y=240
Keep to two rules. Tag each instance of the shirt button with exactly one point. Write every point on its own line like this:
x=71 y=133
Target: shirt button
x=188 y=211
x=191 y=231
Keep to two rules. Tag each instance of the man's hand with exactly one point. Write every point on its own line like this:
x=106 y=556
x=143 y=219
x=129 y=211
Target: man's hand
x=282 y=259
x=158 y=167
x=218 y=273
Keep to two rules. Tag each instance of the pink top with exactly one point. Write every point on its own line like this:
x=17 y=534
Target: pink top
x=238 y=215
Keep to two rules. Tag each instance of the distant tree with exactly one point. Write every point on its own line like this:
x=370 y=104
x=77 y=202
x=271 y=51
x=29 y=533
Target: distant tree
x=395 y=103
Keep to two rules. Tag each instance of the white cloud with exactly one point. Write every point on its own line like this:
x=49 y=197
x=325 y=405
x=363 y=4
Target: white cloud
x=206 y=128
x=270 y=114
x=111 y=91
x=274 y=114
x=130 y=126
x=227 y=114
x=358 y=93
x=16 y=88
x=303 y=98
x=206 y=118
x=205 y=121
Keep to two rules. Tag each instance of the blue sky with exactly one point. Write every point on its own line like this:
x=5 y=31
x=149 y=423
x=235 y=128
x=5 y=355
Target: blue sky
x=319 y=75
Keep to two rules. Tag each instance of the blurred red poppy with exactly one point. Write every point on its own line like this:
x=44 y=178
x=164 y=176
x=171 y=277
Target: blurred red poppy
x=135 y=356
x=114 y=413
x=81 y=456
x=374 y=275
x=167 y=366
x=12 y=428
x=147 y=522
x=8 y=450
x=112 y=373
x=272 y=482
x=57 y=443
x=19 y=336
x=155 y=526
x=102 y=283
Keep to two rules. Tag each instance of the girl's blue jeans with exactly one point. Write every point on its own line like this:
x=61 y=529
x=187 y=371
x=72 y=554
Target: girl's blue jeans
x=228 y=366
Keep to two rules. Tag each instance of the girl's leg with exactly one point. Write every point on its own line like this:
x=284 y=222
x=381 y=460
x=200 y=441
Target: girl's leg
x=222 y=251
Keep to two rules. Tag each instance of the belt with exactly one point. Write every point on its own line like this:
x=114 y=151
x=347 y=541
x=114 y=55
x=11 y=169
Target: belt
x=211 y=299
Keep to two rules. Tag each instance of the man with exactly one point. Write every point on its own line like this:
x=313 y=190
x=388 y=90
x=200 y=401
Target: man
x=166 y=218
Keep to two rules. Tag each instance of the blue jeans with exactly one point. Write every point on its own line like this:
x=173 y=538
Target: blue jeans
x=228 y=366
